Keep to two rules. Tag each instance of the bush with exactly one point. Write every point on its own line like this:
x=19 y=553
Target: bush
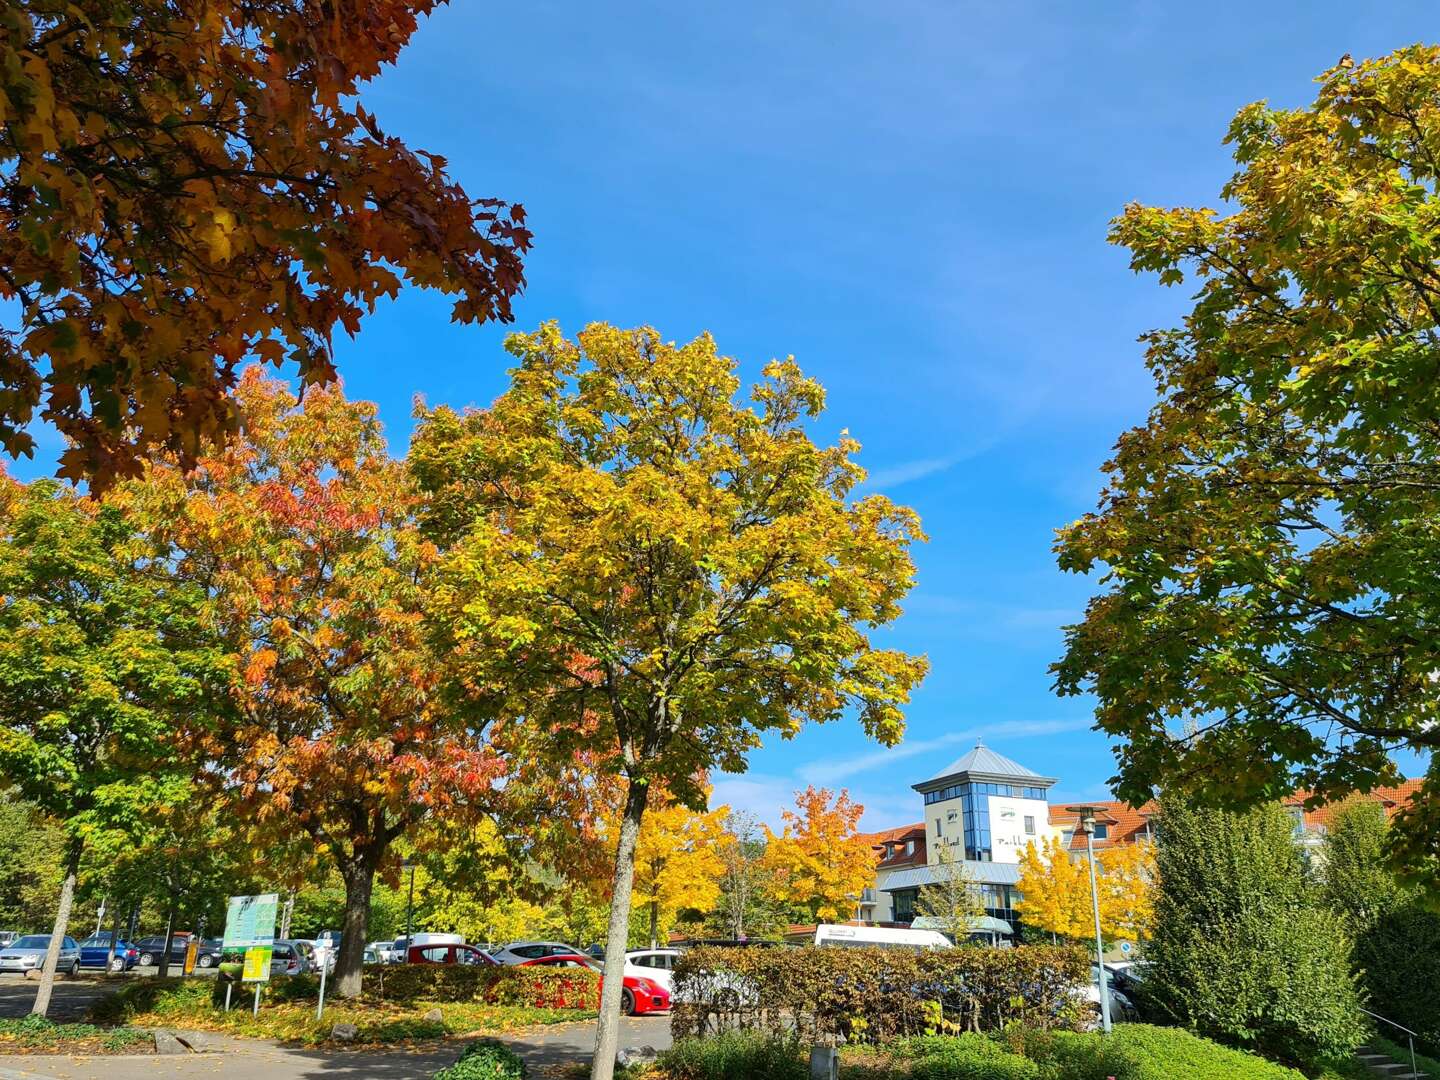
x=1142 y=1052
x=1242 y=951
x=749 y=1054
x=485 y=1059
x=873 y=994
x=541 y=987
x=968 y=1057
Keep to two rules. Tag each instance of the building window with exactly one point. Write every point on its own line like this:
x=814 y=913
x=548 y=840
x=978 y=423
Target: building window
x=904 y=900
x=937 y=828
x=1102 y=832
x=909 y=847
x=1029 y=825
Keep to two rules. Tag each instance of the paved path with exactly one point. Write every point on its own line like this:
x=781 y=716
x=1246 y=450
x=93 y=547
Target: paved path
x=69 y=1001
x=253 y=1059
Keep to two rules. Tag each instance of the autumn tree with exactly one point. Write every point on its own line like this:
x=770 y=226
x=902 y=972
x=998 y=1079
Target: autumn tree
x=185 y=186
x=820 y=860
x=746 y=903
x=102 y=652
x=646 y=568
x=1055 y=891
x=952 y=903
x=1265 y=536
x=678 y=862
x=304 y=533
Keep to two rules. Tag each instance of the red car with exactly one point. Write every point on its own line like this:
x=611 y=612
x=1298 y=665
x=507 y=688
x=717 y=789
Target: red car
x=448 y=954
x=640 y=996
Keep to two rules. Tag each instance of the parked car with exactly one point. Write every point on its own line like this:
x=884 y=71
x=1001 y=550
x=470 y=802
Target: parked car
x=28 y=952
x=449 y=954
x=657 y=965
x=880 y=937
x=517 y=952
x=95 y=953
x=639 y=995
x=321 y=955
x=1121 y=1007
x=8 y=936
x=393 y=952
x=207 y=954
x=292 y=957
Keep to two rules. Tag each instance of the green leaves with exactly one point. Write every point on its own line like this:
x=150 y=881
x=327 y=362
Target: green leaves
x=1266 y=537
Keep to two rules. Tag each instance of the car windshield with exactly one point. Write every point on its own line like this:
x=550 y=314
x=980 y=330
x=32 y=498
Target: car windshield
x=33 y=941
x=92 y=942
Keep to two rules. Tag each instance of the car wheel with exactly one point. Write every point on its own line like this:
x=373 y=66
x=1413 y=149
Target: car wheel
x=206 y=961
x=146 y=959
x=118 y=964
x=74 y=968
x=627 y=1003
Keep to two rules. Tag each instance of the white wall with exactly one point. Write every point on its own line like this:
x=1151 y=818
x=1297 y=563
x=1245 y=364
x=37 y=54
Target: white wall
x=949 y=833
x=1008 y=838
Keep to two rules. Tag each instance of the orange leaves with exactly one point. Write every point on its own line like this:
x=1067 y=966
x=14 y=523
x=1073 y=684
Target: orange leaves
x=215 y=173
x=820 y=861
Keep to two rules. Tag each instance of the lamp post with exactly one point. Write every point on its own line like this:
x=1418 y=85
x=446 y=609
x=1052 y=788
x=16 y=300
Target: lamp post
x=1086 y=824
x=409 y=905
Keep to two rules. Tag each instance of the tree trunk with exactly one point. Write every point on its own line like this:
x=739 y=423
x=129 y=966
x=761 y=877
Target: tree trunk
x=654 y=924
x=359 y=875
x=607 y=1028
x=164 y=959
x=114 y=939
x=57 y=934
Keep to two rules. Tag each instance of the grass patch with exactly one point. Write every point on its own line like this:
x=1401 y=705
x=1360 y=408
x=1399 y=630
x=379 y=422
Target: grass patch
x=287 y=1014
x=37 y=1035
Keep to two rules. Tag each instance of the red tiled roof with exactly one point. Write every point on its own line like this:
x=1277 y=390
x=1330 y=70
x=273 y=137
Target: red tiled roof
x=899 y=836
x=1124 y=823
x=1127 y=823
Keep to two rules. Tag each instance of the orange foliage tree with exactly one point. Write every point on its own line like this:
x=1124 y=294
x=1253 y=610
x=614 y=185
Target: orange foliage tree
x=186 y=185
x=303 y=533
x=820 y=860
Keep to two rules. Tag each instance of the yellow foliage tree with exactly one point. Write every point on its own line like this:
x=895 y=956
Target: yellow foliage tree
x=819 y=860
x=1055 y=891
x=678 y=863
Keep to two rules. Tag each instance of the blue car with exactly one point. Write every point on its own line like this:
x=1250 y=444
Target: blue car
x=95 y=951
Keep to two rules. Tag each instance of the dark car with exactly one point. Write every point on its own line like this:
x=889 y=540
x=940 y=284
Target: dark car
x=449 y=954
x=151 y=948
x=95 y=953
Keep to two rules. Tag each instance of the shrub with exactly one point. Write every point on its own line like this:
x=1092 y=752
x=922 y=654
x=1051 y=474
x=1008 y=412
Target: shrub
x=555 y=988
x=1142 y=1052
x=968 y=1057
x=1242 y=951
x=873 y=994
x=750 y=1054
x=485 y=1059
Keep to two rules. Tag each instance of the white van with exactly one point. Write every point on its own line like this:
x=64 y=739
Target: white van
x=880 y=937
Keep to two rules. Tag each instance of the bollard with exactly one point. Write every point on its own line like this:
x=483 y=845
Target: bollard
x=824 y=1063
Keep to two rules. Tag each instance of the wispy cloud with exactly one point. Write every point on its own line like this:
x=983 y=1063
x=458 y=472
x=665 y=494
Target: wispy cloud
x=908 y=472
x=836 y=769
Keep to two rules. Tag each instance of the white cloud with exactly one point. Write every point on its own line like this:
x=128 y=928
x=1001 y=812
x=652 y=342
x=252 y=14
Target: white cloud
x=836 y=769
x=908 y=471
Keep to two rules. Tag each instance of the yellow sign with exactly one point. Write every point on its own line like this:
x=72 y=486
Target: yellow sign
x=257 y=964
x=192 y=951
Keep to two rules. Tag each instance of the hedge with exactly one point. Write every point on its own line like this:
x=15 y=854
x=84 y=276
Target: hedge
x=485 y=1059
x=734 y=1054
x=968 y=1057
x=875 y=994
x=1142 y=1052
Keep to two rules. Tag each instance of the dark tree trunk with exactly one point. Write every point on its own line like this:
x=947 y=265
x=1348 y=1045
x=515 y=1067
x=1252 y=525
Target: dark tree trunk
x=57 y=934
x=654 y=924
x=359 y=875
x=607 y=1028
x=170 y=911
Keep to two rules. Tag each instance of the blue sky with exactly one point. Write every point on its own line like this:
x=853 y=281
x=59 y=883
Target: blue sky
x=912 y=199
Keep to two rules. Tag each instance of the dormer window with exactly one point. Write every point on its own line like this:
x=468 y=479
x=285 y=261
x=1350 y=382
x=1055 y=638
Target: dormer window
x=909 y=847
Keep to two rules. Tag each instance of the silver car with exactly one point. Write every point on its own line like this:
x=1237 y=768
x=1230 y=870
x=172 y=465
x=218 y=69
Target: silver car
x=28 y=952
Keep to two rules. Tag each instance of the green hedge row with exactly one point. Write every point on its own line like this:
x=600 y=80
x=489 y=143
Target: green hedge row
x=875 y=995
x=1132 y=1052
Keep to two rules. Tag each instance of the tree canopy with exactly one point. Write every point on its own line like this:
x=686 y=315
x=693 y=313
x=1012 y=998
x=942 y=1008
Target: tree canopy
x=1267 y=536
x=642 y=568
x=187 y=187
x=820 y=862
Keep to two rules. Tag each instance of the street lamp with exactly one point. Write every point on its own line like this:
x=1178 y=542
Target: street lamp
x=1086 y=825
x=409 y=904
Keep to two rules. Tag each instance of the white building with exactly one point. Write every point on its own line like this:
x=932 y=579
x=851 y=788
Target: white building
x=981 y=810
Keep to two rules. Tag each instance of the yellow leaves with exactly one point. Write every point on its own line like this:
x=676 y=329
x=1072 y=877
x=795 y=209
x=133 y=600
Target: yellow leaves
x=214 y=231
x=1056 y=897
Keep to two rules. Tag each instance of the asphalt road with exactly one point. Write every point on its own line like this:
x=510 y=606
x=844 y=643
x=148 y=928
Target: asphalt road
x=546 y=1049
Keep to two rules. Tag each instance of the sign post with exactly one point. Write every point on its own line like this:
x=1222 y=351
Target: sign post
x=250 y=925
